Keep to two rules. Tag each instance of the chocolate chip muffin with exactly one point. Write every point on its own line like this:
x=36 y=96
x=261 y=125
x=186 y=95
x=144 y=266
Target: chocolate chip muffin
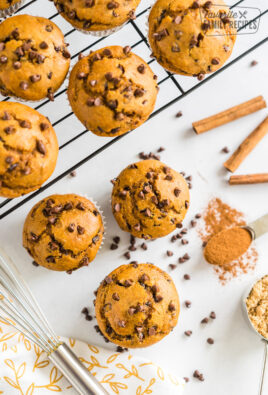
x=34 y=59
x=112 y=91
x=63 y=232
x=137 y=305
x=97 y=16
x=191 y=37
x=149 y=199
x=28 y=149
x=8 y=7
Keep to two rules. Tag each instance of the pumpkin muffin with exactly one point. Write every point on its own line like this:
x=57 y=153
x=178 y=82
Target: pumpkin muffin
x=149 y=199
x=191 y=37
x=28 y=149
x=112 y=91
x=96 y=16
x=137 y=305
x=63 y=232
x=8 y=7
x=34 y=59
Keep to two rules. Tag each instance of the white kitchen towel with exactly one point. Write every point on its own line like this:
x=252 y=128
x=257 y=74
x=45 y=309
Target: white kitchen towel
x=26 y=370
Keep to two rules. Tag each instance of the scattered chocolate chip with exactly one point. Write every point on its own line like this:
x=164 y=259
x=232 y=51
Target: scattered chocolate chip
x=184 y=241
x=186 y=379
x=197 y=216
x=187 y=277
x=198 y=375
x=89 y=317
x=253 y=63
x=188 y=304
x=113 y=246
x=127 y=255
x=35 y=263
x=201 y=76
x=116 y=239
x=210 y=340
x=193 y=223
x=169 y=253
x=161 y=149
x=204 y=320
x=204 y=244
x=179 y=114
x=188 y=333
x=225 y=150
x=172 y=266
x=213 y=315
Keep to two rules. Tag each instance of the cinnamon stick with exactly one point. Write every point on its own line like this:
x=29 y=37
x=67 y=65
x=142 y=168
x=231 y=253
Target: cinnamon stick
x=247 y=146
x=257 y=178
x=229 y=115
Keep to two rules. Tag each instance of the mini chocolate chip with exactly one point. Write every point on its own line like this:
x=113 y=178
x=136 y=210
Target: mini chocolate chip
x=66 y=54
x=186 y=204
x=138 y=92
x=172 y=266
x=204 y=320
x=193 y=223
x=50 y=94
x=117 y=207
x=210 y=340
x=126 y=49
x=141 y=68
x=49 y=76
x=171 y=306
x=177 y=191
x=253 y=63
x=35 y=78
x=204 y=244
x=127 y=283
x=158 y=298
x=109 y=76
x=80 y=230
x=49 y=28
x=40 y=146
x=197 y=216
x=213 y=315
x=215 y=61
x=3 y=59
x=188 y=333
x=188 y=304
x=151 y=331
x=34 y=263
x=127 y=255
x=115 y=296
x=43 y=45
x=17 y=65
x=44 y=126
x=81 y=75
x=68 y=206
x=24 y=85
x=73 y=173
x=80 y=206
x=187 y=277
x=225 y=150
x=113 y=246
x=71 y=228
x=144 y=277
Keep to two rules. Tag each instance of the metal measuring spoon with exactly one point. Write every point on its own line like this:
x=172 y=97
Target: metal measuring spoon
x=265 y=340
x=258 y=228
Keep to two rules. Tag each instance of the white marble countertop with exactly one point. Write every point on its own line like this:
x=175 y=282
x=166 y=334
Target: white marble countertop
x=232 y=365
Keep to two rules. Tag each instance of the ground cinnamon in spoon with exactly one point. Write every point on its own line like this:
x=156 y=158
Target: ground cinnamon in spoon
x=219 y=216
x=226 y=246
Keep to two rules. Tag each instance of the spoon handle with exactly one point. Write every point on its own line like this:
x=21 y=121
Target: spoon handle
x=264 y=366
x=260 y=226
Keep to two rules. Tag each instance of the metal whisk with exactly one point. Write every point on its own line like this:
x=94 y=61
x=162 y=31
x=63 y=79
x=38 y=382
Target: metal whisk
x=19 y=308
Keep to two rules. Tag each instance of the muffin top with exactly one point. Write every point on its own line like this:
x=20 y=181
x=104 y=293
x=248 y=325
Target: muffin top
x=137 y=305
x=28 y=149
x=4 y=4
x=112 y=91
x=63 y=232
x=96 y=15
x=34 y=59
x=191 y=37
x=149 y=199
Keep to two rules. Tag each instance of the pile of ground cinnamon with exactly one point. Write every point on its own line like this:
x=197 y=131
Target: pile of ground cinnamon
x=218 y=217
x=226 y=246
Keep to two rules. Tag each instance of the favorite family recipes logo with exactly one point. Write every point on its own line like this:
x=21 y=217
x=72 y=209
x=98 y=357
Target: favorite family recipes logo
x=244 y=19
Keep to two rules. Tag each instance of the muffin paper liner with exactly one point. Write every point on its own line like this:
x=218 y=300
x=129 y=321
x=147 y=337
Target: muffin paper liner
x=12 y=9
x=101 y=33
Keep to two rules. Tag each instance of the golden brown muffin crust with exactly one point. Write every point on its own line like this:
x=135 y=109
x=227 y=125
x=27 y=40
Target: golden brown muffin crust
x=183 y=42
x=137 y=305
x=4 y=4
x=63 y=232
x=112 y=91
x=95 y=15
x=28 y=149
x=34 y=59
x=149 y=199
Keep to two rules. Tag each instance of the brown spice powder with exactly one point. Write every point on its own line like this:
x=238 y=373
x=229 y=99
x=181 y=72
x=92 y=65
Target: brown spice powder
x=226 y=246
x=217 y=217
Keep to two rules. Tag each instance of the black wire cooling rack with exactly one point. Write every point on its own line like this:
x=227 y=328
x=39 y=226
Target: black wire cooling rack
x=137 y=26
